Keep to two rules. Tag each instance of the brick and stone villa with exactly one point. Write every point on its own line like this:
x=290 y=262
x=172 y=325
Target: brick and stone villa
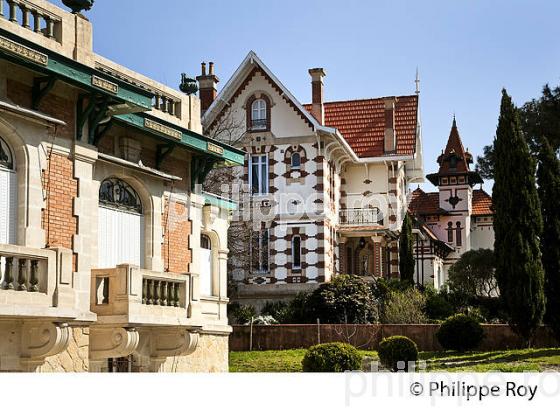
x=328 y=181
x=328 y=185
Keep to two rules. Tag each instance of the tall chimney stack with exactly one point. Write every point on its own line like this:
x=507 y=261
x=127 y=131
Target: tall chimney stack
x=390 y=141
x=317 y=109
x=208 y=86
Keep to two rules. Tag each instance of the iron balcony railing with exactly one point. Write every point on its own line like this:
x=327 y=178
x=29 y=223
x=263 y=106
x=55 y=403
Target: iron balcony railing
x=361 y=216
x=259 y=124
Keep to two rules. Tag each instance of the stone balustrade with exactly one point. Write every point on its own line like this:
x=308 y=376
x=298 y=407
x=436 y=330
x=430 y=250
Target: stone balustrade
x=166 y=104
x=31 y=16
x=161 y=292
x=128 y=295
x=21 y=273
x=37 y=283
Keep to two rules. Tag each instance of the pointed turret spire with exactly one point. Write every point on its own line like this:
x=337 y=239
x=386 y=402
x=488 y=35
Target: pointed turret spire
x=455 y=160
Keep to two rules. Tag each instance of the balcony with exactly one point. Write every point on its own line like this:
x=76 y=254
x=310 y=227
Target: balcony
x=360 y=217
x=259 y=125
x=37 y=283
x=130 y=296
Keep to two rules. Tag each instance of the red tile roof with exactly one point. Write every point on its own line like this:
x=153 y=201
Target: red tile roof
x=422 y=203
x=362 y=124
x=427 y=203
x=482 y=203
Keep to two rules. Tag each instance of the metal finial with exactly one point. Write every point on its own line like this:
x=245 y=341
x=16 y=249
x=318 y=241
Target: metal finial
x=417 y=81
x=188 y=85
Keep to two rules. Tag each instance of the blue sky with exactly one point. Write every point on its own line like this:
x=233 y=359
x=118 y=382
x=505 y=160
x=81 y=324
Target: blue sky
x=466 y=50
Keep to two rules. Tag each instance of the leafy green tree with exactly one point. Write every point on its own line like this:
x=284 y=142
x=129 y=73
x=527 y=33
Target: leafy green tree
x=406 y=307
x=517 y=225
x=539 y=118
x=473 y=275
x=406 y=255
x=548 y=175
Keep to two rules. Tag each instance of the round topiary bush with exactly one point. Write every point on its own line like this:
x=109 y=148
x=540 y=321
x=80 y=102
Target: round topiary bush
x=332 y=357
x=460 y=332
x=395 y=349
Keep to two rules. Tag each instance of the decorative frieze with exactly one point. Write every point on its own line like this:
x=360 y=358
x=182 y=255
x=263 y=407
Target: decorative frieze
x=216 y=149
x=104 y=84
x=162 y=129
x=23 y=51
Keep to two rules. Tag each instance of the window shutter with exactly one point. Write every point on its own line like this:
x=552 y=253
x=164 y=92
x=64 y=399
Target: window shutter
x=8 y=206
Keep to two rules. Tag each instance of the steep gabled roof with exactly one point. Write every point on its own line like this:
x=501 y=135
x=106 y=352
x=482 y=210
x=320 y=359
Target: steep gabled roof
x=362 y=124
x=251 y=65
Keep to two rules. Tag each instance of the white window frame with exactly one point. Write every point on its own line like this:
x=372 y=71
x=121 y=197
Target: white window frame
x=258 y=113
x=261 y=160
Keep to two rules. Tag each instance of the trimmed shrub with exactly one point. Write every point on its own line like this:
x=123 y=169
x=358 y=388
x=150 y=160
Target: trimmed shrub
x=241 y=314
x=460 y=332
x=332 y=357
x=395 y=349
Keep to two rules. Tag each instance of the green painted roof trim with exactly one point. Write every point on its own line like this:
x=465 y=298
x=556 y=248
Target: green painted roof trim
x=76 y=73
x=189 y=138
x=220 y=202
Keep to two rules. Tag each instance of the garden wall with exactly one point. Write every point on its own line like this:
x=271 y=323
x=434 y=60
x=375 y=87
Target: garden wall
x=281 y=337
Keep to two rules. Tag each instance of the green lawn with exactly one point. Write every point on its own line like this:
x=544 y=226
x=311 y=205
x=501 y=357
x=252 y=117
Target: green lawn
x=280 y=361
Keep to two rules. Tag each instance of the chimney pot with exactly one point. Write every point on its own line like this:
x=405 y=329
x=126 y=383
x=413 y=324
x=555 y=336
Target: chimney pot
x=317 y=109
x=203 y=66
x=207 y=86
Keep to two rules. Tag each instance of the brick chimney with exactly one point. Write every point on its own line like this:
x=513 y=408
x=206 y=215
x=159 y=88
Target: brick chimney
x=207 y=85
x=318 y=109
x=390 y=142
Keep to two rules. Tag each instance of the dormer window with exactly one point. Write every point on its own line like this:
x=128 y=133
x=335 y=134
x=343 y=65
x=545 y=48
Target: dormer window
x=257 y=109
x=258 y=114
x=296 y=161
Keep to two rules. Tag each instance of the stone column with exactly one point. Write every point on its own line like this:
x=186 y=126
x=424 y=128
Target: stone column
x=86 y=206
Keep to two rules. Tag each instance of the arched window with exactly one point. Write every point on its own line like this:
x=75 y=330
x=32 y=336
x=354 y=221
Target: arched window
x=450 y=232
x=6 y=157
x=8 y=195
x=258 y=114
x=116 y=193
x=459 y=234
x=296 y=160
x=120 y=225
x=296 y=252
x=206 y=263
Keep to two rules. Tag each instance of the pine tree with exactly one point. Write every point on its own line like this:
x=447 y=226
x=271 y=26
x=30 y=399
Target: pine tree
x=406 y=256
x=517 y=225
x=548 y=175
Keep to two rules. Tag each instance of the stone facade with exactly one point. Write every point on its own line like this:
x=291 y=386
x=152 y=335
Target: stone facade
x=102 y=213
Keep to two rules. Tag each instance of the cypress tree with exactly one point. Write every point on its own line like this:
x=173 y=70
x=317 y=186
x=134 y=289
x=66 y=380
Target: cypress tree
x=548 y=178
x=517 y=225
x=406 y=256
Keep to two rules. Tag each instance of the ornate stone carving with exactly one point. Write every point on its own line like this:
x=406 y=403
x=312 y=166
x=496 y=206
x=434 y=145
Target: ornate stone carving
x=40 y=340
x=104 y=84
x=215 y=149
x=112 y=342
x=22 y=51
x=172 y=342
x=162 y=129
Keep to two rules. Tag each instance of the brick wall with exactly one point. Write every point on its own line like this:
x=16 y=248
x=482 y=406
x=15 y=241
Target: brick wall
x=176 y=231
x=279 y=337
x=61 y=188
x=54 y=105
